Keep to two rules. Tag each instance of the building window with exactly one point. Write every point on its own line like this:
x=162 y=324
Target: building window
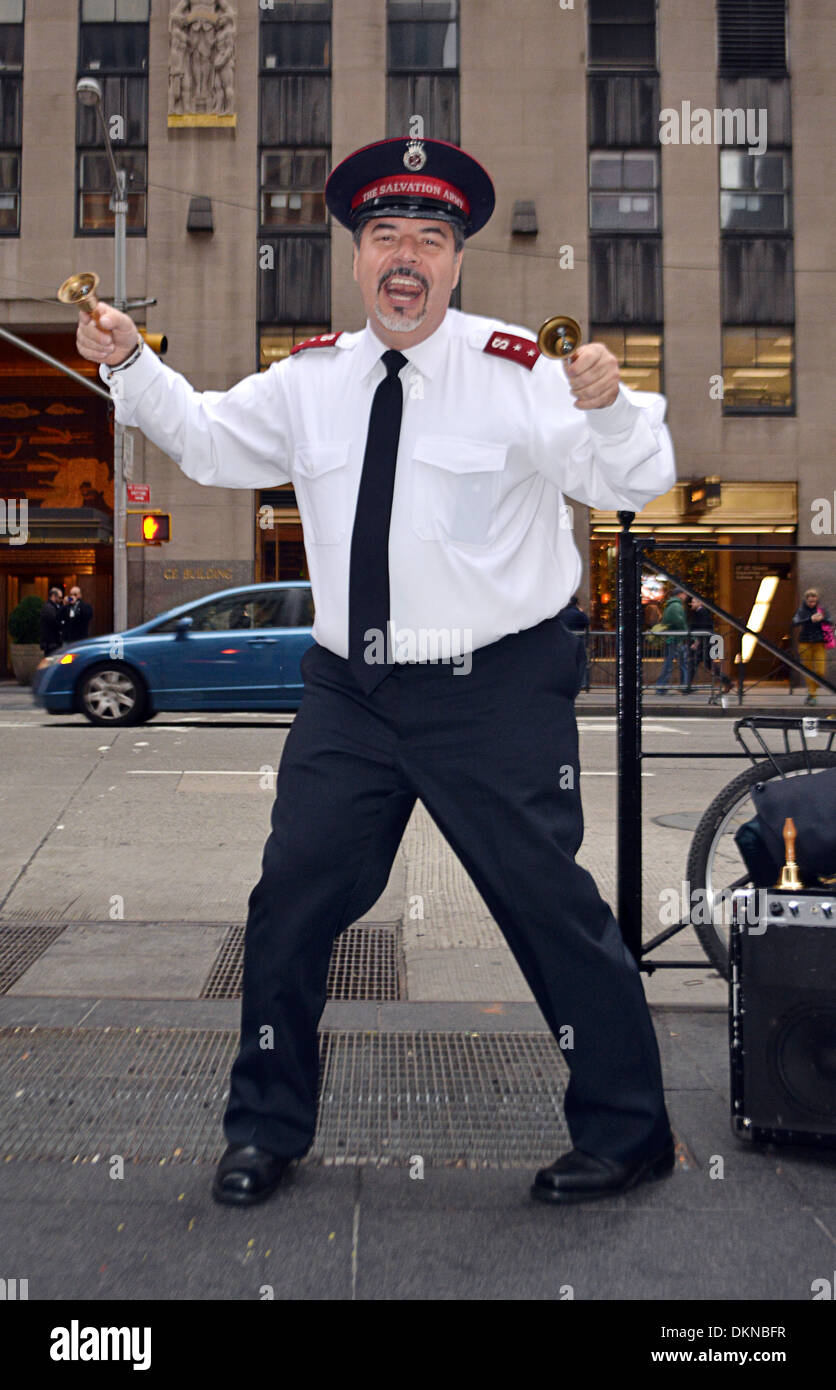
x=622 y=110
x=623 y=190
x=625 y=279
x=293 y=188
x=276 y=341
x=423 y=36
x=423 y=67
x=295 y=37
x=758 y=370
x=121 y=11
x=757 y=280
x=754 y=192
x=113 y=47
x=11 y=114
x=11 y=35
x=751 y=37
x=95 y=188
x=294 y=277
x=280 y=548
x=639 y=353
x=622 y=33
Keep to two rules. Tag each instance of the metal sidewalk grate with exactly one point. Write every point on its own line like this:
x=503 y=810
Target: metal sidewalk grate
x=364 y=965
x=21 y=943
x=486 y=1100
x=158 y=1095
x=224 y=979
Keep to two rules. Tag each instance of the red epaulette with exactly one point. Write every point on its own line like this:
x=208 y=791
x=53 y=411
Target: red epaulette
x=321 y=340
x=522 y=350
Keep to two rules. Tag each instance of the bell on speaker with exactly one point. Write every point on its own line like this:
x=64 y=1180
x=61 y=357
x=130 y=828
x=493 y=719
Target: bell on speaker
x=80 y=291
x=559 y=337
x=790 y=877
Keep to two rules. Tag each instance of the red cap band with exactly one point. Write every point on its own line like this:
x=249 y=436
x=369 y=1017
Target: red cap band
x=414 y=185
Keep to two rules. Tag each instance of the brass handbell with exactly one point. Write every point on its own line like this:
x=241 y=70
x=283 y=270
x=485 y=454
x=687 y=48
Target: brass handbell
x=80 y=291
x=559 y=337
x=790 y=877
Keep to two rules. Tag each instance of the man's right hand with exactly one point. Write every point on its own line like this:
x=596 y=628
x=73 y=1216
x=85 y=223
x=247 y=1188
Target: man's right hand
x=110 y=337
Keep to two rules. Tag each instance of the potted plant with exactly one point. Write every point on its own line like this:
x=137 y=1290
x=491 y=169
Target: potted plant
x=25 y=632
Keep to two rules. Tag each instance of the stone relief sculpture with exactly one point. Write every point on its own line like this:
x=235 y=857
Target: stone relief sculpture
x=201 y=65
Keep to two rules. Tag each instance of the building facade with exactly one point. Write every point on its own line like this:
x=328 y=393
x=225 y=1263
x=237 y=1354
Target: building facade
x=661 y=176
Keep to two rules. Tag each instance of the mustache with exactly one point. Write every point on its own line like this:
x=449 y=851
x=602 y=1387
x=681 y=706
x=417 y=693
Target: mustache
x=403 y=271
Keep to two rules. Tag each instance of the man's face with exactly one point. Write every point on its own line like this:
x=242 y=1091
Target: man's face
x=407 y=268
x=75 y=595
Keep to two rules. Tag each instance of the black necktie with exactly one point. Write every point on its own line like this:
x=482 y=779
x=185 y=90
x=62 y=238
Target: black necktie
x=368 y=588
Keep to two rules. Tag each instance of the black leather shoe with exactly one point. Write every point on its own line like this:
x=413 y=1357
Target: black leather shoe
x=579 y=1177
x=247 y=1174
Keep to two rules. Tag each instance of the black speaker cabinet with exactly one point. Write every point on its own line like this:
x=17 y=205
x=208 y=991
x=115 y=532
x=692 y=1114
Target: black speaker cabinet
x=782 y=1016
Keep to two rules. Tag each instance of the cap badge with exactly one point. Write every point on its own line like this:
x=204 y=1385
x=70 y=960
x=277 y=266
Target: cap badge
x=415 y=156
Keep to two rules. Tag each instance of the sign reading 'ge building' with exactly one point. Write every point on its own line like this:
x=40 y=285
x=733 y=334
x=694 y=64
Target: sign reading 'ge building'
x=187 y=572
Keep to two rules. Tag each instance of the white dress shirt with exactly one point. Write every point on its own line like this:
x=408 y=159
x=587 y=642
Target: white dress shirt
x=480 y=541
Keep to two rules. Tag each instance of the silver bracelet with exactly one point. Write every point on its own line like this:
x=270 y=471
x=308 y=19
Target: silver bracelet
x=129 y=360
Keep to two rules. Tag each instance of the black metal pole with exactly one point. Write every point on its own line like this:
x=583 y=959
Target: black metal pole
x=740 y=674
x=628 y=715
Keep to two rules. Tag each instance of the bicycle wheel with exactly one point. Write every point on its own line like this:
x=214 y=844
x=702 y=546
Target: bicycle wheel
x=714 y=863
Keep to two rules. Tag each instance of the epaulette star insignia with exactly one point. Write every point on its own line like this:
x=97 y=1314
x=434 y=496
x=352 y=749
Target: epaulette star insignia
x=321 y=340
x=522 y=350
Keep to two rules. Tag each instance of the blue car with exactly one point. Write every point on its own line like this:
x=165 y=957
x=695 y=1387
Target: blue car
x=237 y=650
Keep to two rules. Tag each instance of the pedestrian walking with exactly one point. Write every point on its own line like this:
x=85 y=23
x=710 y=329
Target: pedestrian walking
x=815 y=637
x=53 y=621
x=430 y=453
x=674 y=623
x=701 y=649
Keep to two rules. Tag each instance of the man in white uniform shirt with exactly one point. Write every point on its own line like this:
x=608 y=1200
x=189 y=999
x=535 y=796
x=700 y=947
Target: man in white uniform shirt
x=430 y=454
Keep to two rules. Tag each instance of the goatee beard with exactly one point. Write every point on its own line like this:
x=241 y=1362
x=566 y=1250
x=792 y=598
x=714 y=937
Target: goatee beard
x=395 y=323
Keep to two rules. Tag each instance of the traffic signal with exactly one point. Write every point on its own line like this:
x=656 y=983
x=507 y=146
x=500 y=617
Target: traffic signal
x=156 y=528
x=150 y=528
x=157 y=341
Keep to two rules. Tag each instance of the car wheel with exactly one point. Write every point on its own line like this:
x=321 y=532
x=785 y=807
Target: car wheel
x=112 y=695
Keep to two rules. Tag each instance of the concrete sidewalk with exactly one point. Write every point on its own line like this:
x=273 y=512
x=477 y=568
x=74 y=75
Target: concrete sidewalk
x=372 y=1223
x=441 y=1095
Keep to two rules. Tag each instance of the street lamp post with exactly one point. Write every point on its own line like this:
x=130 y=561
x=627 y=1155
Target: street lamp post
x=89 y=93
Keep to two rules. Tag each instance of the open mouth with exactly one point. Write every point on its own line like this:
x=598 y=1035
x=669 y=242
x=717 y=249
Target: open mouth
x=401 y=290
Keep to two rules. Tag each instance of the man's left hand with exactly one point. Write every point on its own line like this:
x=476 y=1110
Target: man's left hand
x=593 y=376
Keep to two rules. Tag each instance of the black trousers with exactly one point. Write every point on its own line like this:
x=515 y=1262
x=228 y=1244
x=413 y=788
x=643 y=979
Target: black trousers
x=493 y=756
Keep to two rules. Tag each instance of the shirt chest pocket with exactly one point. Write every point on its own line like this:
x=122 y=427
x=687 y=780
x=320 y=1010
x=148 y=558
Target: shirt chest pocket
x=321 y=482
x=456 y=487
